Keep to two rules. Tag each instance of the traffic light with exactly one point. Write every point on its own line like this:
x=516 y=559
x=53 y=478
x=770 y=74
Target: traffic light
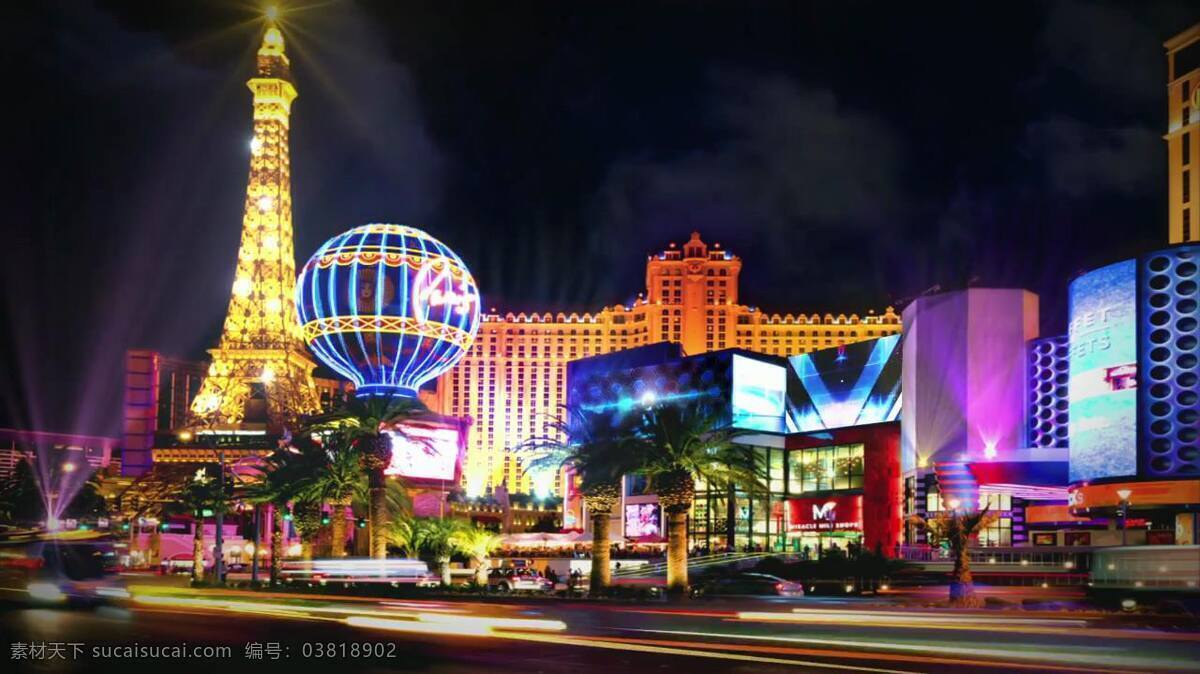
x=287 y=515
x=163 y=526
x=362 y=523
x=125 y=526
x=324 y=519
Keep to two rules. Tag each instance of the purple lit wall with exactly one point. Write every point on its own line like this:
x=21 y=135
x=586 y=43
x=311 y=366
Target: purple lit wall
x=1047 y=379
x=964 y=375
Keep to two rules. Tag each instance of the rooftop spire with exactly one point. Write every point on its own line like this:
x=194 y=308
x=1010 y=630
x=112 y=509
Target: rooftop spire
x=272 y=60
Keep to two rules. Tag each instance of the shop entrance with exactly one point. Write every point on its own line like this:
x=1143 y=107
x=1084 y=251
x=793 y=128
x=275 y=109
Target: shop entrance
x=811 y=544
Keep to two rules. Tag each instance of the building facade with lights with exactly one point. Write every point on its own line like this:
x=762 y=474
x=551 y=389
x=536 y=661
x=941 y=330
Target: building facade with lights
x=513 y=379
x=1183 y=136
x=824 y=425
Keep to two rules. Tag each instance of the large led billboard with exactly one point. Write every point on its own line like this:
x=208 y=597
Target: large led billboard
x=643 y=520
x=850 y=385
x=759 y=394
x=426 y=454
x=1103 y=373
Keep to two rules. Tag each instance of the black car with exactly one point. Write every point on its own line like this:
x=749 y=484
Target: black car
x=752 y=584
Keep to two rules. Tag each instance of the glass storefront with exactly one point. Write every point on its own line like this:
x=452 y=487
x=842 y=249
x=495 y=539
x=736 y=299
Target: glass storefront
x=732 y=519
x=998 y=533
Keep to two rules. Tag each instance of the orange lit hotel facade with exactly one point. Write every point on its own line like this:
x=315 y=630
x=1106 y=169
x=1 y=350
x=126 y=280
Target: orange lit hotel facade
x=513 y=379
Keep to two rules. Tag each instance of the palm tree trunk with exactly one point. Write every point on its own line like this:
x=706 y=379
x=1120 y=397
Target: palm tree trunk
x=337 y=531
x=276 y=543
x=198 y=550
x=677 y=552
x=154 y=551
x=378 y=521
x=962 y=585
x=444 y=570
x=601 y=554
x=482 y=566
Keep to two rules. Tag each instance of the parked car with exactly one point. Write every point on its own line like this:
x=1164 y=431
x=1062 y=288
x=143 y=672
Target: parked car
x=753 y=584
x=518 y=580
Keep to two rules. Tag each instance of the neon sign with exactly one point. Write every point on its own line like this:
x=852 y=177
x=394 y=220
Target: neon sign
x=833 y=513
x=436 y=289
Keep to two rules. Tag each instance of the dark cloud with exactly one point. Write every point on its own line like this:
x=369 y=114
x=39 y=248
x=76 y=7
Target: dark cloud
x=790 y=169
x=1082 y=160
x=1109 y=47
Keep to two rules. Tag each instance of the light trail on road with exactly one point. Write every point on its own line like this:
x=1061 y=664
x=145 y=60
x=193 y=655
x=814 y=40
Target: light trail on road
x=1106 y=660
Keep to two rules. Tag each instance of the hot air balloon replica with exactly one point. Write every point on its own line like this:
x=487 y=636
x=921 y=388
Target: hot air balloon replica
x=389 y=307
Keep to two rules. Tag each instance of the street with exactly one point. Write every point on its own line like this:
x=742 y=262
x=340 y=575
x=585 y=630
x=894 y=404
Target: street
x=281 y=630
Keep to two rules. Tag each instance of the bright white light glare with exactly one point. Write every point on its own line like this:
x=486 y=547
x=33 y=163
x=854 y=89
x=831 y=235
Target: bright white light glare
x=113 y=592
x=256 y=145
x=274 y=304
x=649 y=398
x=467 y=629
x=989 y=450
x=265 y=203
x=268 y=375
x=48 y=592
x=68 y=467
x=242 y=287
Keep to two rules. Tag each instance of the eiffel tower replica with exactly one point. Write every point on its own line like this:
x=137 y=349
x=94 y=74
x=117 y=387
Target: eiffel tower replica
x=261 y=374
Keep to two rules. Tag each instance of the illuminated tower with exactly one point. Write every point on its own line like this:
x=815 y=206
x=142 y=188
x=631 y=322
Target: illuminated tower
x=1183 y=135
x=261 y=370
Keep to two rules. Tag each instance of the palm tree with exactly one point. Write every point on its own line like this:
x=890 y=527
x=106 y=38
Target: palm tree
x=199 y=498
x=955 y=528
x=306 y=516
x=601 y=451
x=478 y=544
x=434 y=537
x=337 y=479
x=277 y=483
x=685 y=444
x=359 y=426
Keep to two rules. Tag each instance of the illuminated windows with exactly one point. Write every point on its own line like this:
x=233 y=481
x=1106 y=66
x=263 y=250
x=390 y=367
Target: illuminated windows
x=825 y=469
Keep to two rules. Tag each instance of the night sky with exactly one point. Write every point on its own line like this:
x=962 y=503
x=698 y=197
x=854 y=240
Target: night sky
x=853 y=154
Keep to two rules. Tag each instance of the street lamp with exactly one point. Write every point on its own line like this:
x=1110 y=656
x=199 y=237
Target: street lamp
x=1124 y=495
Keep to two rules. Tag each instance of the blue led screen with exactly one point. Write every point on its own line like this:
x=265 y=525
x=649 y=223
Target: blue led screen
x=759 y=393
x=851 y=385
x=1103 y=373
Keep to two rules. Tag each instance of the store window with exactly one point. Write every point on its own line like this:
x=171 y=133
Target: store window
x=996 y=534
x=826 y=469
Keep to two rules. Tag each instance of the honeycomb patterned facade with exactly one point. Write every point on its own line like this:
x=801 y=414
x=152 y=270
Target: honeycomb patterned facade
x=1047 y=377
x=1169 y=397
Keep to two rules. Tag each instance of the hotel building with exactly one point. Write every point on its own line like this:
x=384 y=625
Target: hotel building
x=513 y=380
x=1183 y=134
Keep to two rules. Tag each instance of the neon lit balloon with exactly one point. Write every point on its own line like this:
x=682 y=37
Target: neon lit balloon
x=387 y=306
